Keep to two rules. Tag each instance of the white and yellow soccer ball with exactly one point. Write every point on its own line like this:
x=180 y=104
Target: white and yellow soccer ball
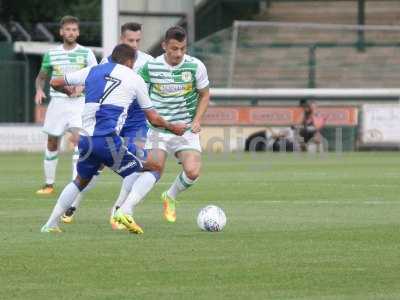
x=211 y=218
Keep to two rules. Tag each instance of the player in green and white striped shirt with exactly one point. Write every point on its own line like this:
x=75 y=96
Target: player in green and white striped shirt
x=178 y=86
x=64 y=112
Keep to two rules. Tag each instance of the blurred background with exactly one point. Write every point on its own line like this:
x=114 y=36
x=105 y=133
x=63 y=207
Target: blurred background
x=262 y=56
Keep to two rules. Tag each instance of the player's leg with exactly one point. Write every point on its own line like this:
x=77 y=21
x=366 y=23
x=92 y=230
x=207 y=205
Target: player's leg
x=68 y=216
x=87 y=167
x=123 y=162
x=135 y=190
x=54 y=126
x=50 y=165
x=191 y=165
x=140 y=188
x=134 y=138
x=73 y=110
x=74 y=138
x=188 y=150
x=64 y=201
x=154 y=167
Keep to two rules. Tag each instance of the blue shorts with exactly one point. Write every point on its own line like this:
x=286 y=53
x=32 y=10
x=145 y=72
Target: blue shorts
x=108 y=150
x=135 y=133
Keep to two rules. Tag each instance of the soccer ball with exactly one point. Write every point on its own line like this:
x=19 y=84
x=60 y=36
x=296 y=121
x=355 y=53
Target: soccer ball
x=211 y=218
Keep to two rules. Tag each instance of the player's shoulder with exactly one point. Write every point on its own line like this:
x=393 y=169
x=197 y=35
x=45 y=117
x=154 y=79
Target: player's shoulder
x=122 y=72
x=152 y=62
x=193 y=60
x=158 y=60
x=144 y=56
x=55 y=50
x=82 y=49
x=104 y=60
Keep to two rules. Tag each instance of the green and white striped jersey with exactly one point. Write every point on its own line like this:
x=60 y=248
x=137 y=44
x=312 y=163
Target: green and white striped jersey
x=174 y=89
x=58 y=61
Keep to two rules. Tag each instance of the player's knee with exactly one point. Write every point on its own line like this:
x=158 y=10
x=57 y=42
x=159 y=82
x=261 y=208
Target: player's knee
x=193 y=172
x=52 y=143
x=74 y=139
x=81 y=183
x=153 y=166
x=158 y=167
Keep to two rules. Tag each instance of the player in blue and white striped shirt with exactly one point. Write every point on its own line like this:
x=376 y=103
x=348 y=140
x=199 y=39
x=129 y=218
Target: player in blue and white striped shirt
x=135 y=128
x=110 y=90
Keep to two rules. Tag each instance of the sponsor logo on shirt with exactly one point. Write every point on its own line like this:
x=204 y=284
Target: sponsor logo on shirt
x=166 y=89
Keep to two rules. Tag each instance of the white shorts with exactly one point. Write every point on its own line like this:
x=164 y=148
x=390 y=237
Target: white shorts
x=63 y=114
x=172 y=143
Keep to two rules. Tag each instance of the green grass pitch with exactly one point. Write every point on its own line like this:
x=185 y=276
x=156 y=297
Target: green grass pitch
x=299 y=227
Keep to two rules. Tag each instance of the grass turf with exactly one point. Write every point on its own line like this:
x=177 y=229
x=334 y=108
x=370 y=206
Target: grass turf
x=299 y=227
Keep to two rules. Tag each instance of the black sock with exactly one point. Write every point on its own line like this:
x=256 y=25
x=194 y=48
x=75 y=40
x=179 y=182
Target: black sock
x=70 y=211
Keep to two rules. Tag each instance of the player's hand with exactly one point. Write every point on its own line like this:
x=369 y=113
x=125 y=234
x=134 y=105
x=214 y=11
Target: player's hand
x=196 y=127
x=77 y=91
x=69 y=90
x=178 y=128
x=39 y=96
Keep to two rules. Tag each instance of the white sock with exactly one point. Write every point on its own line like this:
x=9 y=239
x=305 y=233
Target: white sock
x=139 y=190
x=77 y=201
x=123 y=194
x=75 y=158
x=126 y=187
x=181 y=183
x=63 y=203
x=91 y=185
x=50 y=165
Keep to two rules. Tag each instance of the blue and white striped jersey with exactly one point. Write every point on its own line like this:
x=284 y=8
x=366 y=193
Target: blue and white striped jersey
x=109 y=91
x=136 y=117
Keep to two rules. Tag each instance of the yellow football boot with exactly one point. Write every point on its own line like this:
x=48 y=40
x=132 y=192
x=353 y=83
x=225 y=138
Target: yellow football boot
x=168 y=207
x=128 y=222
x=46 y=229
x=47 y=189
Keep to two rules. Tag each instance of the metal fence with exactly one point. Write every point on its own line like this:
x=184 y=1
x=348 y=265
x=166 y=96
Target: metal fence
x=301 y=55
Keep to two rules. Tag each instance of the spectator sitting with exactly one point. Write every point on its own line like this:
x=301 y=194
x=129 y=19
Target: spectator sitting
x=311 y=125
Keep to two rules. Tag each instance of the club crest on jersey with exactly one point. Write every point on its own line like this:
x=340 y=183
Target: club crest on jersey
x=186 y=76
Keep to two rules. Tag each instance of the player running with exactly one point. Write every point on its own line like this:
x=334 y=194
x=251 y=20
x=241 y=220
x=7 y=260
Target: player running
x=179 y=88
x=135 y=127
x=110 y=90
x=64 y=112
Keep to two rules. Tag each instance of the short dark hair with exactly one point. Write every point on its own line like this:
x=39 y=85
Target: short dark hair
x=303 y=102
x=175 y=33
x=68 y=20
x=122 y=53
x=132 y=26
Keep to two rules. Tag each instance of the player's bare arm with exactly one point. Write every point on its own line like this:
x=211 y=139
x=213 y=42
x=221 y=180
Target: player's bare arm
x=156 y=120
x=204 y=100
x=39 y=84
x=77 y=91
x=60 y=85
